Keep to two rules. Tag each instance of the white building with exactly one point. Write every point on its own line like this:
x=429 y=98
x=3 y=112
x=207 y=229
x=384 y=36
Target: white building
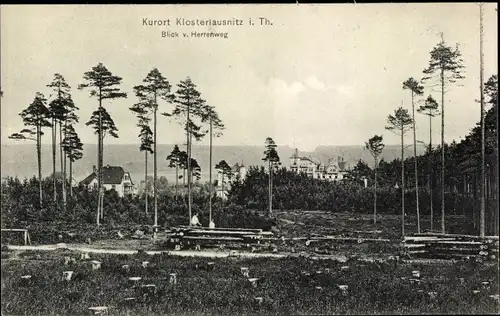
x=332 y=171
x=113 y=178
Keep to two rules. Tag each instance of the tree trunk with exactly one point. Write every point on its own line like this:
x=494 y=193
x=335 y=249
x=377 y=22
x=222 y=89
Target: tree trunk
x=184 y=186
x=442 y=154
x=270 y=189
x=176 y=180
x=63 y=181
x=430 y=172
x=64 y=169
x=146 y=180
x=429 y=186
x=188 y=133
x=39 y=158
x=402 y=185
x=416 y=162
x=210 y=177
x=155 y=168
x=54 y=140
x=483 y=162
x=71 y=177
x=99 y=139
x=222 y=187
x=375 y=195
x=101 y=174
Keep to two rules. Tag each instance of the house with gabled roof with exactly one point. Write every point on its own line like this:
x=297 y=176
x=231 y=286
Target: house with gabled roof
x=113 y=178
x=332 y=171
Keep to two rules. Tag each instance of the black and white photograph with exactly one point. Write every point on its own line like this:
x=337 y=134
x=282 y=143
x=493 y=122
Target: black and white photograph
x=249 y=159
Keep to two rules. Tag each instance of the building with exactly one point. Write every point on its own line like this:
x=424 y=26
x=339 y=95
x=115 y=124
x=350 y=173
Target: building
x=113 y=178
x=238 y=171
x=332 y=171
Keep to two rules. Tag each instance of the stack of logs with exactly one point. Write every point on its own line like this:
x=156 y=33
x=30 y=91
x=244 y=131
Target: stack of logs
x=450 y=246
x=185 y=237
x=256 y=240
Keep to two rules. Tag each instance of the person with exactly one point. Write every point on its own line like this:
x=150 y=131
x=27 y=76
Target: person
x=195 y=221
x=212 y=224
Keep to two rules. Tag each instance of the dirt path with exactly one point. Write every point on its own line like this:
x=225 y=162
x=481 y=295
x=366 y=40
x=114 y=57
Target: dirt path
x=183 y=253
x=217 y=254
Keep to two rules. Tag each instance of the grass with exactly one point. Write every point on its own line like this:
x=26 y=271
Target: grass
x=295 y=223
x=285 y=287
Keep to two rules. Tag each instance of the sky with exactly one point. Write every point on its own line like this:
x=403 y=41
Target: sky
x=319 y=75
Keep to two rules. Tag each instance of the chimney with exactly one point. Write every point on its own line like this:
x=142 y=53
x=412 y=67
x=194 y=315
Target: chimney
x=94 y=169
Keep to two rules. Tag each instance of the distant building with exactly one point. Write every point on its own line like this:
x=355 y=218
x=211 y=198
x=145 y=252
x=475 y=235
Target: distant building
x=332 y=171
x=113 y=178
x=238 y=171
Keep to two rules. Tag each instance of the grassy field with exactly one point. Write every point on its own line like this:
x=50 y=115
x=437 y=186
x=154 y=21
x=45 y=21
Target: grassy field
x=302 y=223
x=286 y=286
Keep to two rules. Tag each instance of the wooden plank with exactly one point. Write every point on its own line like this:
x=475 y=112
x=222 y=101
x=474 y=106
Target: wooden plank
x=225 y=233
x=350 y=239
x=446 y=242
x=415 y=245
x=457 y=236
x=255 y=230
x=13 y=230
x=208 y=232
x=212 y=238
x=368 y=232
x=412 y=252
x=425 y=238
x=454 y=250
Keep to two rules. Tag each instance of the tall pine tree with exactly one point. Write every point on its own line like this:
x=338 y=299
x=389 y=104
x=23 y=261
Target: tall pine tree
x=103 y=85
x=446 y=66
x=190 y=110
x=155 y=87
x=35 y=117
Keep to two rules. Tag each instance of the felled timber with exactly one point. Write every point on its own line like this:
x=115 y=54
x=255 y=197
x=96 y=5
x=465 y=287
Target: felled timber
x=253 y=230
x=448 y=246
x=459 y=236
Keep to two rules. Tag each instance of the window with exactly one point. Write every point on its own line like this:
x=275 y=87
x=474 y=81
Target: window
x=113 y=187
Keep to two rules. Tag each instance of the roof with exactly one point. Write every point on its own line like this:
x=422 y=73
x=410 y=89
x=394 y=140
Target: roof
x=237 y=167
x=110 y=175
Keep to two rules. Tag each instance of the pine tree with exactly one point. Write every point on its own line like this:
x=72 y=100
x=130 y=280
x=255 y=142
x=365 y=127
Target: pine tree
x=175 y=162
x=400 y=123
x=73 y=149
x=103 y=85
x=272 y=157
x=225 y=170
x=189 y=109
x=35 y=117
x=215 y=123
x=445 y=63
x=375 y=146
x=416 y=89
x=431 y=109
x=155 y=88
